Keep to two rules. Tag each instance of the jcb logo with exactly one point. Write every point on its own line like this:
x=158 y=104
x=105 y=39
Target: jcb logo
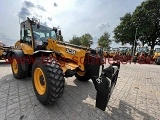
x=70 y=51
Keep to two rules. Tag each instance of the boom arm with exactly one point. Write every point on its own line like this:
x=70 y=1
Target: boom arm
x=71 y=57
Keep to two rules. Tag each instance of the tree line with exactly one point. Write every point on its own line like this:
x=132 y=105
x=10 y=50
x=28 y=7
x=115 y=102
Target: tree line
x=86 y=40
x=142 y=25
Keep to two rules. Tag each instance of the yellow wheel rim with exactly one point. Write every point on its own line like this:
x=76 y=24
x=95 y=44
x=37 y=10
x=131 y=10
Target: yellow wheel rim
x=15 y=66
x=81 y=73
x=39 y=81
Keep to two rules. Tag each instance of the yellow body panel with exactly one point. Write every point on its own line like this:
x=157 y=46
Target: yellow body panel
x=156 y=54
x=18 y=44
x=27 y=49
x=105 y=54
x=1 y=51
x=66 y=66
x=77 y=56
x=128 y=53
x=112 y=54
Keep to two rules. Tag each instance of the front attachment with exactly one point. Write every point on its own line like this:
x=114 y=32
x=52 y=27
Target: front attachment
x=105 y=85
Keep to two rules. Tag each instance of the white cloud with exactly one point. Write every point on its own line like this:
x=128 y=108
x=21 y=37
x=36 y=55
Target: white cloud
x=102 y=26
x=73 y=16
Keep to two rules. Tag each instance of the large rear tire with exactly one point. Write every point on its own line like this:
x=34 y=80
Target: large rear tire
x=48 y=80
x=17 y=70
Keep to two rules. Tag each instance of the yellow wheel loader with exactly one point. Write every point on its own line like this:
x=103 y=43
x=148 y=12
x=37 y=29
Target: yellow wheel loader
x=40 y=55
x=105 y=53
x=113 y=52
x=3 y=50
x=142 y=55
x=156 y=56
x=124 y=54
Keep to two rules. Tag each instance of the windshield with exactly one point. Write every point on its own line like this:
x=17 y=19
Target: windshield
x=114 y=49
x=99 y=48
x=105 y=49
x=157 y=49
x=123 y=48
x=43 y=33
x=142 y=49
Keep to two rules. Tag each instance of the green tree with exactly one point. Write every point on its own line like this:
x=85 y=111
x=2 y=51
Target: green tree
x=125 y=31
x=86 y=40
x=104 y=40
x=146 y=18
x=75 y=40
x=143 y=24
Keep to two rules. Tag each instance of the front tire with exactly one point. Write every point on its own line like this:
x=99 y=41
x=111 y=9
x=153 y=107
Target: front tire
x=48 y=80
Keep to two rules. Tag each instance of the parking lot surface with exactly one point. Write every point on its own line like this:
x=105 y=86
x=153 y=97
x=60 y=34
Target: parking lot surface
x=136 y=97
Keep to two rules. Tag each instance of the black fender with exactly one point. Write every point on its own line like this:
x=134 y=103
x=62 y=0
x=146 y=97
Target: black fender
x=20 y=58
x=39 y=53
x=104 y=85
x=42 y=51
x=104 y=80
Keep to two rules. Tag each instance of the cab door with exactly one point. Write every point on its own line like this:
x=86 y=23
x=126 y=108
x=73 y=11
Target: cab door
x=26 y=38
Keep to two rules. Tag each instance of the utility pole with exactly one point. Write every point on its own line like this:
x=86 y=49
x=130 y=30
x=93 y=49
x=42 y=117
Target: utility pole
x=134 y=48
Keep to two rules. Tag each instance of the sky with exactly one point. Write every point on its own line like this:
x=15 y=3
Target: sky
x=74 y=17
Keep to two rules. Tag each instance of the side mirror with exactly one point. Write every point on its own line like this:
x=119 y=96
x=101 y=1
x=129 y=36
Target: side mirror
x=38 y=25
x=20 y=32
x=59 y=32
x=55 y=29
